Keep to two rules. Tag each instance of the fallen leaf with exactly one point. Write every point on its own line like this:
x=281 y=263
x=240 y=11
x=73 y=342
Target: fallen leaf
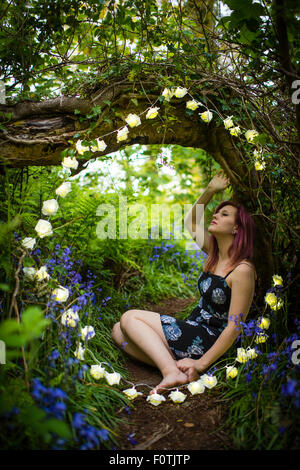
x=189 y=425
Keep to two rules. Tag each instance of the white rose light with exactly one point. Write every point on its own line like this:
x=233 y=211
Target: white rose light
x=133 y=120
x=79 y=353
x=235 y=131
x=251 y=353
x=177 y=397
x=122 y=134
x=264 y=323
x=28 y=242
x=156 y=399
x=29 y=273
x=69 y=162
x=50 y=207
x=228 y=122
x=87 y=333
x=60 y=294
x=277 y=280
x=209 y=380
x=113 y=378
x=63 y=189
x=43 y=228
x=100 y=147
x=192 y=104
x=231 y=372
x=259 y=166
x=196 y=387
x=131 y=393
x=167 y=94
x=180 y=92
x=152 y=113
x=70 y=318
x=97 y=372
x=242 y=355
x=42 y=274
x=261 y=338
x=206 y=116
x=81 y=148
x=250 y=135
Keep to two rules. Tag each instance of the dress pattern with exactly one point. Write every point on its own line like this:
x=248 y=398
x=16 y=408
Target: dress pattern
x=195 y=335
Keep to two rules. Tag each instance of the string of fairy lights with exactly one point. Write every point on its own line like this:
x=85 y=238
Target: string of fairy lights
x=71 y=319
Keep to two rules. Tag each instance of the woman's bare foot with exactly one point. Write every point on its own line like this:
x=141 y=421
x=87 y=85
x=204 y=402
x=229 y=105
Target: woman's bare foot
x=174 y=377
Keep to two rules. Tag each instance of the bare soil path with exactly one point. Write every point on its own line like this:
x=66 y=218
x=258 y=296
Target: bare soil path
x=191 y=425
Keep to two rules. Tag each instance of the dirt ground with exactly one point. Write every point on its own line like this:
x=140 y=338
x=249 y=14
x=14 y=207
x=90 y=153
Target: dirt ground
x=191 y=425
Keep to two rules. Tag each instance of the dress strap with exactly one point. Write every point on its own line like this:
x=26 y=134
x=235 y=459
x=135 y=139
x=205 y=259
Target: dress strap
x=234 y=269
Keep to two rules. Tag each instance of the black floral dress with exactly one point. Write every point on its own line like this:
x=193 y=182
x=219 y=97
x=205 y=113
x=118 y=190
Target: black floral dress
x=194 y=336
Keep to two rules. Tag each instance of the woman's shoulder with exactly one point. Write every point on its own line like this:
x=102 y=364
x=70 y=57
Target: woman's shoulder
x=249 y=263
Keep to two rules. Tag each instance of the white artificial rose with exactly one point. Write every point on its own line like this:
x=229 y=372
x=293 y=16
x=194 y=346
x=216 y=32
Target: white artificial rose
x=152 y=113
x=70 y=318
x=131 y=393
x=69 y=162
x=167 y=94
x=277 y=280
x=97 y=372
x=206 y=116
x=177 y=397
x=180 y=92
x=133 y=120
x=87 y=333
x=28 y=242
x=228 y=122
x=42 y=274
x=81 y=148
x=209 y=380
x=250 y=135
x=192 y=104
x=259 y=165
x=231 y=372
x=196 y=387
x=242 y=355
x=29 y=273
x=251 y=353
x=235 y=131
x=113 y=378
x=63 y=189
x=79 y=352
x=122 y=134
x=156 y=399
x=100 y=147
x=261 y=338
x=50 y=207
x=264 y=323
x=43 y=228
x=60 y=294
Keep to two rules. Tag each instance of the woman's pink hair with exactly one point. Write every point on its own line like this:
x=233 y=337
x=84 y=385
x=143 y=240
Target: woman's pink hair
x=242 y=247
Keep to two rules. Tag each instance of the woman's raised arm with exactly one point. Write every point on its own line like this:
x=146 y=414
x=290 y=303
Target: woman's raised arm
x=192 y=220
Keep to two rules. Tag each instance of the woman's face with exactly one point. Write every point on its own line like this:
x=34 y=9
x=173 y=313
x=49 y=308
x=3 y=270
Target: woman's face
x=224 y=221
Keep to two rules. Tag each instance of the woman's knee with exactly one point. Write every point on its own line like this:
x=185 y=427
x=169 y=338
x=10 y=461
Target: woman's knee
x=116 y=332
x=127 y=316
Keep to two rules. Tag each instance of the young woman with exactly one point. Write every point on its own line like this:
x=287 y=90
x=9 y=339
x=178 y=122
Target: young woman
x=184 y=349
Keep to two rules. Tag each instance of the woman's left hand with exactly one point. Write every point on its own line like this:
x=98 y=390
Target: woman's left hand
x=188 y=366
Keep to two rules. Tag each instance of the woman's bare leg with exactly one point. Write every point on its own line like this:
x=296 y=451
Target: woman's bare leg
x=128 y=346
x=144 y=330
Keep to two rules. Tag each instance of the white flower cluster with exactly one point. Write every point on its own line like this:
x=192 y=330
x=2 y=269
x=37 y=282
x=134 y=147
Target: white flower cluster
x=134 y=120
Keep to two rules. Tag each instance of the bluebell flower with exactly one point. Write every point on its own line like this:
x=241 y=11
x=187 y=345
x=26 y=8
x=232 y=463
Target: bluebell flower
x=131 y=439
x=289 y=389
